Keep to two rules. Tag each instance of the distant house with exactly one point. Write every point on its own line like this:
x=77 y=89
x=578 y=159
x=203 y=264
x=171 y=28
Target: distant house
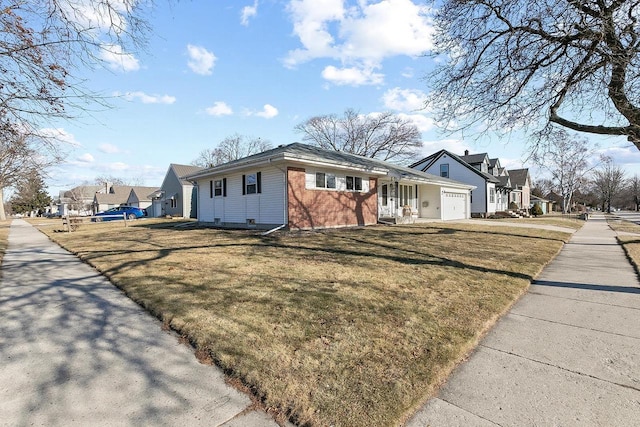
x=77 y=201
x=140 y=197
x=545 y=205
x=117 y=195
x=521 y=193
x=176 y=196
x=490 y=191
x=303 y=187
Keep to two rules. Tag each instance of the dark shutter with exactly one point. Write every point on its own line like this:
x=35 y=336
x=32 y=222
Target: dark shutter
x=224 y=187
x=211 y=189
x=244 y=185
x=259 y=181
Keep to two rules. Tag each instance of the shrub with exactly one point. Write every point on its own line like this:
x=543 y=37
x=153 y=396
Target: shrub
x=536 y=210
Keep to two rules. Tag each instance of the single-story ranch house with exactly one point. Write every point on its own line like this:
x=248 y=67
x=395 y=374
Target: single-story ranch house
x=304 y=187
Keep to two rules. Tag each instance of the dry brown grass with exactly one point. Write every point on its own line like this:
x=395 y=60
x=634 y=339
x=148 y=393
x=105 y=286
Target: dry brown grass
x=555 y=220
x=630 y=242
x=346 y=327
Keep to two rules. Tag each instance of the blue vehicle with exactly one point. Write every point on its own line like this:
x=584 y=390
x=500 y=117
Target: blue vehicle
x=120 y=212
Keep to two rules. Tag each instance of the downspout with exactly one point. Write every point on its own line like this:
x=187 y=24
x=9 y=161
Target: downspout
x=284 y=198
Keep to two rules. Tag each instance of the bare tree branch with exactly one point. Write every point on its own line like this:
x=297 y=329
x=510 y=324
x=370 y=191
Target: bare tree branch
x=526 y=63
x=384 y=136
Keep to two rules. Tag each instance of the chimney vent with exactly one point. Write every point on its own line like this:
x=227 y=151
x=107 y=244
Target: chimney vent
x=466 y=152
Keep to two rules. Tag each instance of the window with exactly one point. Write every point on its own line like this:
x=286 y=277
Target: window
x=217 y=187
x=492 y=195
x=174 y=202
x=444 y=170
x=251 y=183
x=406 y=195
x=354 y=183
x=385 y=195
x=325 y=180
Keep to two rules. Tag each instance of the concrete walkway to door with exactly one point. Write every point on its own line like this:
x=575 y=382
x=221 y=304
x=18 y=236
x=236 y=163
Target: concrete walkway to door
x=75 y=351
x=567 y=354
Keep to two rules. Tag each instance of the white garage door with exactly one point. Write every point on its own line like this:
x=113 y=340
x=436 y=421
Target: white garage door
x=454 y=205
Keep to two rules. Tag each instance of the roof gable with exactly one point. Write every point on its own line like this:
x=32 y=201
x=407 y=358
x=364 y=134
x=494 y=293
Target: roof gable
x=520 y=177
x=141 y=193
x=436 y=156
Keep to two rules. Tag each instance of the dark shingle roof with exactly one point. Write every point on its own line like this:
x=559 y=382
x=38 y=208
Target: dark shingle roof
x=302 y=152
x=518 y=177
x=435 y=156
x=474 y=159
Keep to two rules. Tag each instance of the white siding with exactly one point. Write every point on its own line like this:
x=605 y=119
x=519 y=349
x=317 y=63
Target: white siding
x=267 y=207
x=430 y=201
x=461 y=173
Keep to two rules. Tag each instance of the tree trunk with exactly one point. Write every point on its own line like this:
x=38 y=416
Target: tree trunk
x=3 y=216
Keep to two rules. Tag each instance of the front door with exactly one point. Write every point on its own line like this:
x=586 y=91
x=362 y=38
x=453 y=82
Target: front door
x=387 y=201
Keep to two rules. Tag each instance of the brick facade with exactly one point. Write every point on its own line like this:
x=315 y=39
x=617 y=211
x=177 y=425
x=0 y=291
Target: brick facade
x=310 y=208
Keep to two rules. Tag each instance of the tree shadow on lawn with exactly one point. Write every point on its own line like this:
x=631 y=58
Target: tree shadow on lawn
x=75 y=348
x=254 y=246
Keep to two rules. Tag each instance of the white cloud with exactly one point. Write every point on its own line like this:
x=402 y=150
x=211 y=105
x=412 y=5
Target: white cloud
x=404 y=99
x=59 y=134
x=422 y=122
x=109 y=148
x=365 y=33
x=96 y=17
x=353 y=76
x=219 y=108
x=149 y=99
x=117 y=59
x=86 y=158
x=407 y=73
x=268 y=112
x=625 y=154
x=248 y=12
x=201 y=61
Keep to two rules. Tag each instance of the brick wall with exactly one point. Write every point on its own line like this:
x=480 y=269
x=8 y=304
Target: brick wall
x=328 y=208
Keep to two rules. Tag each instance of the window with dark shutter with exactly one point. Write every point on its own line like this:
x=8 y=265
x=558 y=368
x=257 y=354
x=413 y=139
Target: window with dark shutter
x=259 y=182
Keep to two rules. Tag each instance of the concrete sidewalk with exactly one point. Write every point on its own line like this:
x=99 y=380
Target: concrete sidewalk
x=74 y=350
x=567 y=354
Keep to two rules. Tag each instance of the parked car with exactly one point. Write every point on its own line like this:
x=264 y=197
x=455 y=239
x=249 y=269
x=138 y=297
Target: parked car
x=131 y=212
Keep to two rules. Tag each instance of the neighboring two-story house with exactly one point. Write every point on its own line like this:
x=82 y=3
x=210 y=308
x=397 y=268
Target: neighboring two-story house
x=494 y=184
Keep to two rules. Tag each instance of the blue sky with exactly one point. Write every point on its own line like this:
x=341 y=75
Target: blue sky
x=258 y=68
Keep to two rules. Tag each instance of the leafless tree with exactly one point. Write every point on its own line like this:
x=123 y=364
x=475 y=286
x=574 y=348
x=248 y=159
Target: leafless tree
x=633 y=192
x=384 y=136
x=542 y=187
x=231 y=148
x=44 y=43
x=22 y=155
x=566 y=158
x=43 y=46
x=609 y=180
x=531 y=63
